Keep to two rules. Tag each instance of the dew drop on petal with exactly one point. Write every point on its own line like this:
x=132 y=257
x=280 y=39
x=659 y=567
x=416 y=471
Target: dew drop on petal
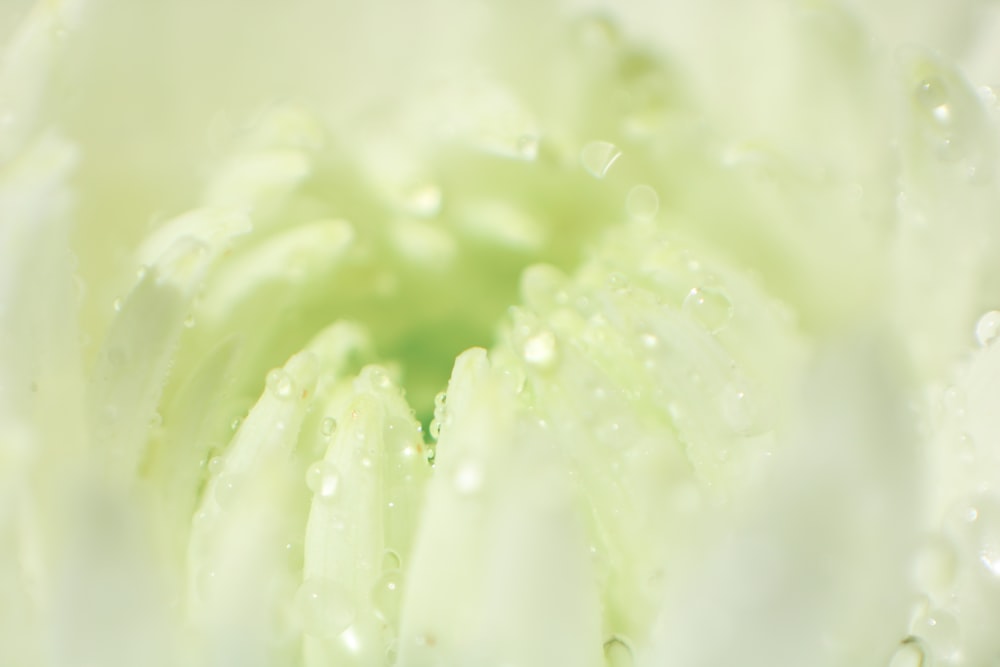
x=642 y=203
x=324 y=607
x=216 y=465
x=617 y=653
x=988 y=328
x=540 y=349
x=279 y=383
x=225 y=490
x=323 y=480
x=385 y=596
x=391 y=560
x=117 y=304
x=709 y=306
x=328 y=426
x=941 y=632
x=598 y=156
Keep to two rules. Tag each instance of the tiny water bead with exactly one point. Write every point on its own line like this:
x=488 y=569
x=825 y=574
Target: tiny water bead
x=323 y=479
x=642 y=203
x=279 y=383
x=988 y=328
x=597 y=157
x=216 y=464
x=932 y=95
x=617 y=653
x=328 y=426
x=539 y=350
x=324 y=607
x=386 y=595
x=710 y=306
x=941 y=633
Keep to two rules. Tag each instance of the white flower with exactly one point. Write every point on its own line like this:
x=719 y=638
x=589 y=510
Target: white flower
x=730 y=265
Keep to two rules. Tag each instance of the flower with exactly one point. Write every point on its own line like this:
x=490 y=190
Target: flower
x=709 y=285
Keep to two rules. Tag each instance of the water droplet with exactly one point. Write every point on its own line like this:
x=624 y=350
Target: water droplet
x=710 y=306
x=391 y=560
x=328 y=426
x=279 y=383
x=225 y=490
x=540 y=349
x=324 y=607
x=598 y=156
x=742 y=410
x=377 y=377
x=909 y=654
x=189 y=321
x=649 y=341
x=435 y=429
x=439 y=400
x=386 y=595
x=941 y=632
x=117 y=304
x=988 y=328
x=617 y=652
x=932 y=94
x=954 y=401
x=468 y=477
x=323 y=480
x=216 y=464
x=235 y=424
x=642 y=203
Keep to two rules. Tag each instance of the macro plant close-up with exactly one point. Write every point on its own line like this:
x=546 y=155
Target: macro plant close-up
x=500 y=334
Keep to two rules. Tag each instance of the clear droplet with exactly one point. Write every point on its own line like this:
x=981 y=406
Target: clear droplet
x=932 y=94
x=225 y=490
x=323 y=480
x=391 y=560
x=642 y=203
x=649 y=341
x=386 y=595
x=324 y=607
x=941 y=633
x=216 y=464
x=597 y=157
x=435 y=429
x=988 y=328
x=328 y=426
x=279 y=383
x=742 y=409
x=117 y=304
x=617 y=652
x=710 y=306
x=909 y=654
x=235 y=424
x=954 y=401
x=439 y=400
x=540 y=349
x=189 y=321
